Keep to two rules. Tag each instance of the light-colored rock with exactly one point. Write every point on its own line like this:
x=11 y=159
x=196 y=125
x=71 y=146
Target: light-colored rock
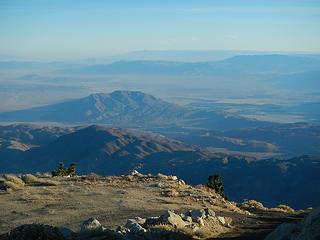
x=169 y=217
x=136 y=174
x=91 y=224
x=172 y=178
x=200 y=221
x=188 y=219
x=170 y=193
x=307 y=229
x=140 y=220
x=181 y=182
x=209 y=212
x=134 y=227
x=162 y=176
x=253 y=205
x=222 y=220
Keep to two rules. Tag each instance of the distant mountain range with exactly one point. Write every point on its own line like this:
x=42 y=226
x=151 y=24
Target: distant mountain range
x=243 y=64
x=206 y=128
x=114 y=151
x=204 y=64
x=127 y=109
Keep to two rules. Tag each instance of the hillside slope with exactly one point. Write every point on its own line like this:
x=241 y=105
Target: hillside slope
x=111 y=151
x=127 y=109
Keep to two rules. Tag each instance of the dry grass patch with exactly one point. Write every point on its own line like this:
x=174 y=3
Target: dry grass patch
x=31 y=179
x=283 y=208
x=14 y=179
x=10 y=186
x=252 y=205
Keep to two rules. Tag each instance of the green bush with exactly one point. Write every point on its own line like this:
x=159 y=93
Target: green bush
x=215 y=183
x=62 y=171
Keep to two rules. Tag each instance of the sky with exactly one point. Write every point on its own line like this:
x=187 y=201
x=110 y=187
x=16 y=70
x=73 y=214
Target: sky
x=75 y=29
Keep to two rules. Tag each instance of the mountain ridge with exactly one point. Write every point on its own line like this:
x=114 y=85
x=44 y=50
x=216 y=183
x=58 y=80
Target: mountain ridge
x=129 y=109
x=115 y=151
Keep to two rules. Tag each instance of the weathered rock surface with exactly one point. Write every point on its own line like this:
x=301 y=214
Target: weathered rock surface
x=91 y=224
x=169 y=217
x=133 y=226
x=307 y=229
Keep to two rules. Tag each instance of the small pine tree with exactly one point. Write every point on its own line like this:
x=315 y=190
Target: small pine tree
x=62 y=171
x=72 y=170
x=215 y=182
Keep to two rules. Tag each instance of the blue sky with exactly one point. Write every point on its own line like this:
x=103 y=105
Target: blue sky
x=71 y=29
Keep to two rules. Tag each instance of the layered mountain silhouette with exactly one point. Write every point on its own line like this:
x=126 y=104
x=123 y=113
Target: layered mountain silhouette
x=242 y=64
x=127 y=109
x=94 y=148
x=114 y=151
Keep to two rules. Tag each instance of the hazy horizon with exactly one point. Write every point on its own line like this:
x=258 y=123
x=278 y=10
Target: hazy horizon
x=65 y=30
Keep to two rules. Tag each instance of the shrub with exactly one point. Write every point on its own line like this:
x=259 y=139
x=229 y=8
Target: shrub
x=215 y=183
x=9 y=186
x=93 y=177
x=252 y=205
x=283 y=208
x=62 y=171
x=72 y=170
x=14 y=179
x=29 y=178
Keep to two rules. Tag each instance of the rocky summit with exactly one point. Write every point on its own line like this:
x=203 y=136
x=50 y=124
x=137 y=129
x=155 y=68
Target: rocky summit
x=134 y=206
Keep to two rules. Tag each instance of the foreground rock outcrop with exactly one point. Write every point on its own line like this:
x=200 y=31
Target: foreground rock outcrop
x=134 y=206
x=193 y=224
x=307 y=229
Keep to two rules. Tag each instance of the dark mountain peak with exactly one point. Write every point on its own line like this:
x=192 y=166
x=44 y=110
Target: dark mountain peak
x=98 y=129
x=134 y=95
x=122 y=96
x=128 y=93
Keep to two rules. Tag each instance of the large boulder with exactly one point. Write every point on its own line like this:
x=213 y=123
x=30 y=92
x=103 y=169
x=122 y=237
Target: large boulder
x=134 y=227
x=169 y=217
x=197 y=213
x=307 y=229
x=91 y=224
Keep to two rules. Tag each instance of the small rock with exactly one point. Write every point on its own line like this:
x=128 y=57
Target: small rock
x=222 y=220
x=152 y=221
x=188 y=219
x=170 y=217
x=134 y=227
x=197 y=213
x=195 y=228
x=209 y=212
x=172 y=178
x=130 y=178
x=200 y=221
x=162 y=176
x=160 y=185
x=181 y=182
x=170 y=193
x=121 y=230
x=91 y=224
x=136 y=173
x=140 y=220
